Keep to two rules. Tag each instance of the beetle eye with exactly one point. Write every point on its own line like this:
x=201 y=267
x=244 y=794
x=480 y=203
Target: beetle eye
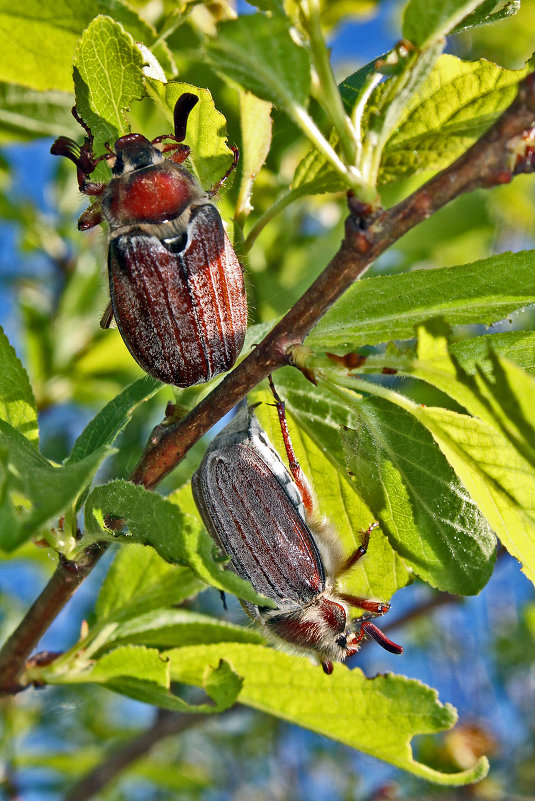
x=341 y=641
x=176 y=244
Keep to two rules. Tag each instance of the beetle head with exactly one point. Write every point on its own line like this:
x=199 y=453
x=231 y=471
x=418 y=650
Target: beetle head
x=321 y=627
x=134 y=152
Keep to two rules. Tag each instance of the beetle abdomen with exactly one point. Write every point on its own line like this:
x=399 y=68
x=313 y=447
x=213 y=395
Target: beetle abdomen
x=182 y=315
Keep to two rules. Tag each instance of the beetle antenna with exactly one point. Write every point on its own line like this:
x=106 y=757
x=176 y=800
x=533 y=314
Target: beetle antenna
x=367 y=627
x=183 y=106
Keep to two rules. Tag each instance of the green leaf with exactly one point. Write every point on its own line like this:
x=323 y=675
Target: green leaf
x=388 y=103
x=37 y=41
x=500 y=397
x=485 y=15
x=171 y=628
x=145 y=664
x=256 y=124
x=143 y=674
x=108 y=75
x=391 y=709
x=418 y=499
x=493 y=453
x=381 y=572
x=378 y=309
x=139 y=580
x=510 y=392
x=259 y=53
x=436 y=366
x=453 y=108
x=425 y=23
x=206 y=133
x=17 y=402
x=152 y=520
x=112 y=419
x=35 y=489
x=498 y=479
x=26 y=114
x=313 y=174
x=517 y=346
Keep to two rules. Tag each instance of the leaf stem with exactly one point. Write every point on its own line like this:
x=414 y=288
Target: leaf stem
x=285 y=199
x=350 y=174
x=329 y=94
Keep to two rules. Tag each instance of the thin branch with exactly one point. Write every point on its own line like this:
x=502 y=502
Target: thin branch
x=489 y=162
x=61 y=586
x=167 y=724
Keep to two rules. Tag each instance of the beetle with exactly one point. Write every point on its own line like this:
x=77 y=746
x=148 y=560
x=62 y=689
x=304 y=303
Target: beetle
x=263 y=516
x=176 y=285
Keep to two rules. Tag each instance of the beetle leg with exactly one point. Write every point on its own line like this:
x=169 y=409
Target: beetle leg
x=90 y=217
x=376 y=607
x=295 y=468
x=358 y=553
x=217 y=186
x=107 y=317
x=181 y=152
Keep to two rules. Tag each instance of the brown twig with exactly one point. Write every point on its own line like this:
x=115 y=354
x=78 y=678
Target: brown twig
x=166 y=725
x=489 y=162
x=61 y=586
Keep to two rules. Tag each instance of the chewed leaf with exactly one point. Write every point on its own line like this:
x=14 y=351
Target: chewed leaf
x=378 y=716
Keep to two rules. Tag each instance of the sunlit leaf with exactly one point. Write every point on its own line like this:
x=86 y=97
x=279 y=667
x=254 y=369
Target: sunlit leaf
x=391 y=709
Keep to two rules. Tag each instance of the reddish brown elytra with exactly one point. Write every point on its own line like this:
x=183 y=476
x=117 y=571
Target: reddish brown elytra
x=176 y=286
x=263 y=516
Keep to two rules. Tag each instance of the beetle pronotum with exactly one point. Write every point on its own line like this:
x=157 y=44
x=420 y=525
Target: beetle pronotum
x=176 y=286
x=263 y=516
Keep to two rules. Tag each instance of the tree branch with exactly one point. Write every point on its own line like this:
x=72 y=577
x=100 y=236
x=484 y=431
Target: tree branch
x=166 y=725
x=505 y=150
x=487 y=163
x=61 y=586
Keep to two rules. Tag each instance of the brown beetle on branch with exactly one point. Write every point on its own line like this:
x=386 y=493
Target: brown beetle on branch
x=176 y=286
x=264 y=517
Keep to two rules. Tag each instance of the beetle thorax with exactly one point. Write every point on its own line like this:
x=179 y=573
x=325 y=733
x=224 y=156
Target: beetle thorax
x=320 y=626
x=152 y=194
